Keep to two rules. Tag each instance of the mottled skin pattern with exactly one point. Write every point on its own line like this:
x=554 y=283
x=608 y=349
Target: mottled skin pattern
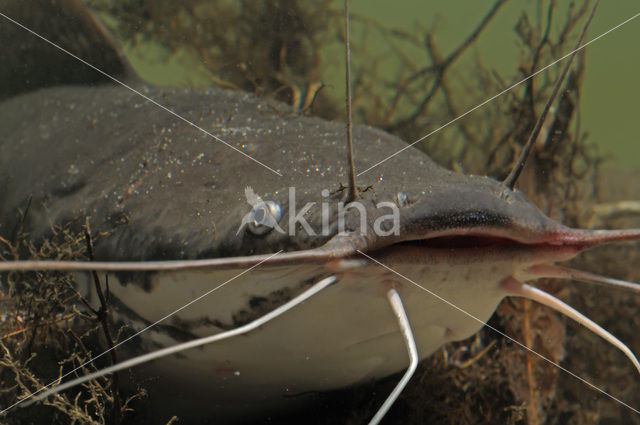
x=163 y=190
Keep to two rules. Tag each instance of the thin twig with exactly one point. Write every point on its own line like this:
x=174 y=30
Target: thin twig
x=353 y=192
x=23 y=216
x=103 y=317
x=440 y=68
x=512 y=178
x=23 y=330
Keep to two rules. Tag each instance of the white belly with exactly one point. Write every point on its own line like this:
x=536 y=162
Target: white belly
x=344 y=335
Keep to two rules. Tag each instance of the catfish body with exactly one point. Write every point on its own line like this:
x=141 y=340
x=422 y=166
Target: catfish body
x=161 y=189
x=156 y=188
x=118 y=157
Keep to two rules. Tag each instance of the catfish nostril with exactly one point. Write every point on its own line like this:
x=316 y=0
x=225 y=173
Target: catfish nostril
x=264 y=217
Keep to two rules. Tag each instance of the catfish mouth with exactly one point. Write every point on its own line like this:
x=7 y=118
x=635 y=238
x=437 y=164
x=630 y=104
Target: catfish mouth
x=483 y=242
x=483 y=225
x=481 y=216
x=565 y=241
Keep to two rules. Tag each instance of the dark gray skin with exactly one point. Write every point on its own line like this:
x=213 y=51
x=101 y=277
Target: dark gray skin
x=108 y=154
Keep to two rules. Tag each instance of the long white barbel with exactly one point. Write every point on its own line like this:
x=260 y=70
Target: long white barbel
x=317 y=287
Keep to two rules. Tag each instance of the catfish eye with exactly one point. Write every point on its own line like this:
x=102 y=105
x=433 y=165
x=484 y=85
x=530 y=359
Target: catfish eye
x=401 y=199
x=264 y=217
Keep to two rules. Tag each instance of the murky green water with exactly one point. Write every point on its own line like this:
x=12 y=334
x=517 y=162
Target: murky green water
x=608 y=111
x=610 y=90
